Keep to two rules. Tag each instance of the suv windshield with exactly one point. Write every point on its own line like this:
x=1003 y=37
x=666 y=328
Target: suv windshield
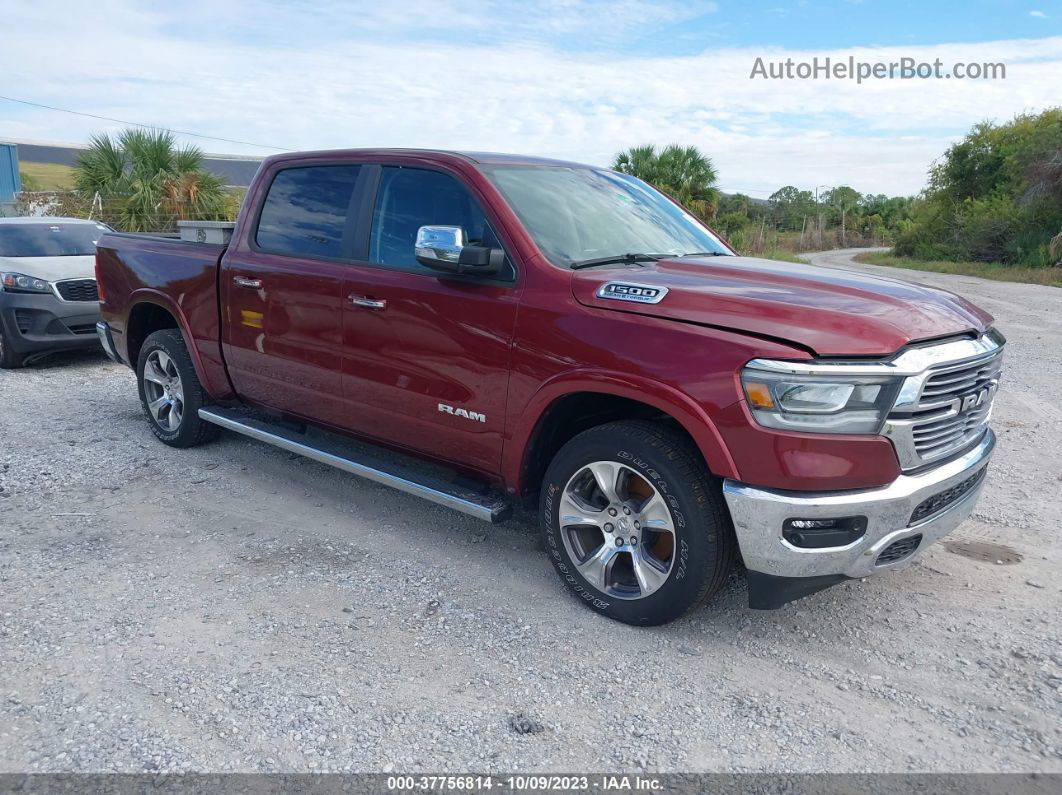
x=578 y=214
x=49 y=240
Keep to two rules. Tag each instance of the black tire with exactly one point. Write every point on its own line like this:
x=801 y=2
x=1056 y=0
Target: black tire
x=190 y=431
x=702 y=548
x=9 y=358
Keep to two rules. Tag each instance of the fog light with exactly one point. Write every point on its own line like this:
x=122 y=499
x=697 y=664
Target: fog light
x=823 y=533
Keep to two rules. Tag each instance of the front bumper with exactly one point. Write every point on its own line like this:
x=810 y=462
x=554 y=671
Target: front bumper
x=38 y=323
x=780 y=572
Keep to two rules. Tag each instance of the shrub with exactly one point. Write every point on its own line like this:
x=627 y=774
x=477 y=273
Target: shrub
x=996 y=196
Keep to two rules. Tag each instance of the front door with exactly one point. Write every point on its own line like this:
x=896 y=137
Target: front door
x=427 y=357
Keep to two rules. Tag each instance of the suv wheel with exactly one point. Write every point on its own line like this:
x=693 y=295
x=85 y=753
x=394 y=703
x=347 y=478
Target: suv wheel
x=635 y=524
x=170 y=391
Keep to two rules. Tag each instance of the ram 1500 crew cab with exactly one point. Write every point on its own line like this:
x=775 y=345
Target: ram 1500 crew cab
x=568 y=335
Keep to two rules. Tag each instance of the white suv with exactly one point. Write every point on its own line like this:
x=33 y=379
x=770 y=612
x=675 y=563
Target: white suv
x=48 y=296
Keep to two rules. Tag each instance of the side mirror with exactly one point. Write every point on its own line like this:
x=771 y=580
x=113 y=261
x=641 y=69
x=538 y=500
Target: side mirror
x=443 y=248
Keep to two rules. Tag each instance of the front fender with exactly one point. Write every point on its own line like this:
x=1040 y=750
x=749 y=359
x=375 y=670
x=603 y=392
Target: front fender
x=666 y=399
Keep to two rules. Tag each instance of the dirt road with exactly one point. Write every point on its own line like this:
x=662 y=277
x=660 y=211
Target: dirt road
x=232 y=607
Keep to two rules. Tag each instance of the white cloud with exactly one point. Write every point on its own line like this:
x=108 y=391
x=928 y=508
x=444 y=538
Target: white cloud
x=341 y=80
x=1039 y=14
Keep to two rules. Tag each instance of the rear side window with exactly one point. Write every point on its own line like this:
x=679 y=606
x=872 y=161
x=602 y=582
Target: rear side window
x=306 y=210
x=409 y=198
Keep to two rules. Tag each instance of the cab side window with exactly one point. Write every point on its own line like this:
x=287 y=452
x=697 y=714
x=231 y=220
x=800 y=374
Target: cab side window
x=409 y=198
x=305 y=212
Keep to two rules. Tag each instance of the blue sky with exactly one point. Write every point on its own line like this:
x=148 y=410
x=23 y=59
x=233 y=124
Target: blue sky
x=663 y=28
x=564 y=78
x=830 y=24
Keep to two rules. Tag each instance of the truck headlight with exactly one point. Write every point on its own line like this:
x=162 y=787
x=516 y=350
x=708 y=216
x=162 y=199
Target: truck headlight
x=20 y=283
x=819 y=402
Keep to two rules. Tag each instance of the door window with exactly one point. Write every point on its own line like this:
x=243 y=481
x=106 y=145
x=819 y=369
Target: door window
x=409 y=198
x=306 y=210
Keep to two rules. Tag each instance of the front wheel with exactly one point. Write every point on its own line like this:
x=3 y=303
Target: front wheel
x=634 y=523
x=170 y=391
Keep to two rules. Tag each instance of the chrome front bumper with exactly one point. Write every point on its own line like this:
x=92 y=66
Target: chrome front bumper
x=758 y=515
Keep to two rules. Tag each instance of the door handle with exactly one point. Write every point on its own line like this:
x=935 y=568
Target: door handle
x=367 y=302
x=243 y=281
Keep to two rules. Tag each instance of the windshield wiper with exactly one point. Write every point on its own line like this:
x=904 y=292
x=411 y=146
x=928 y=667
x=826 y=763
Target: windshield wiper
x=616 y=259
x=706 y=254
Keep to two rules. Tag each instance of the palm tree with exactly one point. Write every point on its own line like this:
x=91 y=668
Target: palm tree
x=146 y=182
x=683 y=172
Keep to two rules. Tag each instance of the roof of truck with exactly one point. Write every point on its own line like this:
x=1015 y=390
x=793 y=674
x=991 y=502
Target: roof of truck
x=496 y=158
x=480 y=158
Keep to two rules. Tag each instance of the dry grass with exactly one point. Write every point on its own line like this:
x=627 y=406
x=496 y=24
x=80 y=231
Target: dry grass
x=781 y=254
x=48 y=176
x=1051 y=277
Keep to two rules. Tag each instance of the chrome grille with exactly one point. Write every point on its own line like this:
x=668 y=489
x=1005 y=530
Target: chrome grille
x=941 y=431
x=951 y=412
x=78 y=290
x=954 y=406
x=951 y=382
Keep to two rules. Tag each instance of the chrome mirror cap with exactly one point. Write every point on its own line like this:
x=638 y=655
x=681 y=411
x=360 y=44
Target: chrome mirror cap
x=439 y=243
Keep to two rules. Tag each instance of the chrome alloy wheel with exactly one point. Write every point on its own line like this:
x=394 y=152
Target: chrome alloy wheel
x=163 y=391
x=618 y=530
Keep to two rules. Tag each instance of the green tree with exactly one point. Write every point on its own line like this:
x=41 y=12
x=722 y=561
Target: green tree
x=996 y=195
x=842 y=197
x=790 y=207
x=146 y=182
x=682 y=172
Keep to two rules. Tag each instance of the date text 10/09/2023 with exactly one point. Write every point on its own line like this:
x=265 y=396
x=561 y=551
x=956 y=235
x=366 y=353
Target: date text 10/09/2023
x=532 y=783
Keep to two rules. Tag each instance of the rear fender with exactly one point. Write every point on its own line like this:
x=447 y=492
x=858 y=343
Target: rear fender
x=211 y=374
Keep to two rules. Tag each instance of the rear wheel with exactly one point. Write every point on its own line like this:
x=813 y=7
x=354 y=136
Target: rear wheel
x=170 y=391
x=634 y=523
x=9 y=359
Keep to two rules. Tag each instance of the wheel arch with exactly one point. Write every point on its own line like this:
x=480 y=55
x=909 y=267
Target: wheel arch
x=566 y=407
x=150 y=312
x=145 y=318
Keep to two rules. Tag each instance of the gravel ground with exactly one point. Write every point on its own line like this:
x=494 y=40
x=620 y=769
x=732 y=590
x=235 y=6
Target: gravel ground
x=233 y=607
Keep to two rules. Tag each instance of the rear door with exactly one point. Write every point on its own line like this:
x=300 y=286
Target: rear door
x=426 y=359
x=283 y=294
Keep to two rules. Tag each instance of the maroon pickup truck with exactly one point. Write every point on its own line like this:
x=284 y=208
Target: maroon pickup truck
x=482 y=329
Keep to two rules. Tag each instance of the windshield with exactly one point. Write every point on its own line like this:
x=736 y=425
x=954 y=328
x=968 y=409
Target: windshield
x=49 y=240
x=578 y=214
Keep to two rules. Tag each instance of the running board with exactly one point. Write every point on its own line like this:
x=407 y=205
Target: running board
x=333 y=452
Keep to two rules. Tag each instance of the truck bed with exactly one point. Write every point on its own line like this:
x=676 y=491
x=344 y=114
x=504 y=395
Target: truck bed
x=136 y=271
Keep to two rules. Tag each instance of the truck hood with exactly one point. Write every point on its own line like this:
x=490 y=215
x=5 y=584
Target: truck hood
x=51 y=269
x=828 y=310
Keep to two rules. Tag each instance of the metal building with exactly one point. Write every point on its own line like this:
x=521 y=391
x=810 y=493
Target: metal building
x=10 y=183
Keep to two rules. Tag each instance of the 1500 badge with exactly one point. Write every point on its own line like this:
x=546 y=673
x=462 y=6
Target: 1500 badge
x=629 y=291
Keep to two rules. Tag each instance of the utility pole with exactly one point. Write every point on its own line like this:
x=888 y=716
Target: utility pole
x=818 y=209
